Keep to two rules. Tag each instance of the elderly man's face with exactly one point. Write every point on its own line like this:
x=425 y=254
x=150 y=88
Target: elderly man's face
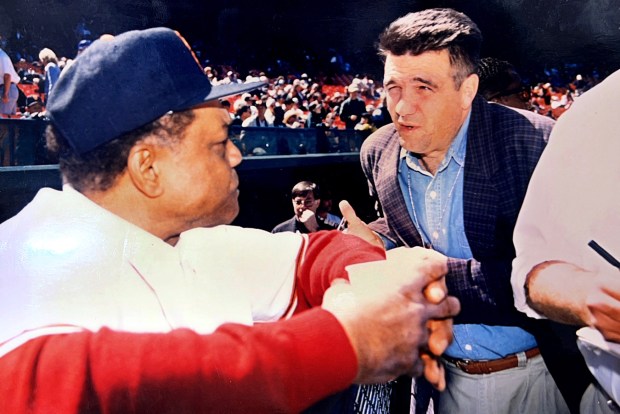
x=423 y=101
x=201 y=179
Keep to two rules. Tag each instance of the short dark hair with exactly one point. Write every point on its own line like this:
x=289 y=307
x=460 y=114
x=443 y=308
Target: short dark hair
x=303 y=188
x=435 y=30
x=98 y=169
x=241 y=110
x=497 y=78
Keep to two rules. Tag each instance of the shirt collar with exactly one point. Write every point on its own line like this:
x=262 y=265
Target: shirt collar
x=137 y=241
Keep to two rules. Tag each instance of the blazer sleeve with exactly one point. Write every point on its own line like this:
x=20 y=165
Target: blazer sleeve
x=274 y=367
x=483 y=289
x=370 y=158
x=482 y=283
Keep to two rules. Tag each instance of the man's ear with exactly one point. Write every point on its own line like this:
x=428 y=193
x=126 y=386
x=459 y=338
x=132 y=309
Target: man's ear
x=144 y=168
x=469 y=88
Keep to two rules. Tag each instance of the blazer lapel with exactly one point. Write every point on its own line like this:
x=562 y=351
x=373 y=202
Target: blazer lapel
x=480 y=197
x=398 y=217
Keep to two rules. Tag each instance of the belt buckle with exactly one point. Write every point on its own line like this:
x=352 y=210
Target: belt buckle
x=462 y=363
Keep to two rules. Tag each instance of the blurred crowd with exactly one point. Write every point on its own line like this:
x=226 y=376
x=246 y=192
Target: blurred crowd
x=343 y=101
x=501 y=82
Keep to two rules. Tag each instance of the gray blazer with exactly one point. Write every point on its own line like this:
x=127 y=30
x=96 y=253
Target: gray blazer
x=503 y=147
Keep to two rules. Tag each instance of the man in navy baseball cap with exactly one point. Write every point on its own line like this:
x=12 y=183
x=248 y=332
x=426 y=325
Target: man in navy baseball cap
x=121 y=83
x=128 y=291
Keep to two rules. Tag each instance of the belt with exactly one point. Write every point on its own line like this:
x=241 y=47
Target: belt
x=487 y=367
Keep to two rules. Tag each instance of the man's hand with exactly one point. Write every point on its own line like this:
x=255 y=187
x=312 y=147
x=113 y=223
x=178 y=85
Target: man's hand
x=7 y=87
x=603 y=305
x=566 y=293
x=388 y=326
x=440 y=331
x=356 y=226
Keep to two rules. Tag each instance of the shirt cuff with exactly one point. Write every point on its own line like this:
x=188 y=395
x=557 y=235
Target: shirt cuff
x=387 y=243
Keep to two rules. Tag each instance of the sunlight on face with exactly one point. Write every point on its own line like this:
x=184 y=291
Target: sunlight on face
x=423 y=101
x=201 y=180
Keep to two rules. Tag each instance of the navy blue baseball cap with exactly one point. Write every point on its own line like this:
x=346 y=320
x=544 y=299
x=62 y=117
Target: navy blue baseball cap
x=121 y=83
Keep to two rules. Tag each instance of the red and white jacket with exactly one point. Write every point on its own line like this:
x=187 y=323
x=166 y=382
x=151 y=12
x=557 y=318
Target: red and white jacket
x=101 y=316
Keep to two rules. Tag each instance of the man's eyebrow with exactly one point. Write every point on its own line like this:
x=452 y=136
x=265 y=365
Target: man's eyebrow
x=391 y=81
x=424 y=81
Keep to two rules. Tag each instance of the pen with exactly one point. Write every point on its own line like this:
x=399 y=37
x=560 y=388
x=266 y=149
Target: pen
x=342 y=225
x=604 y=254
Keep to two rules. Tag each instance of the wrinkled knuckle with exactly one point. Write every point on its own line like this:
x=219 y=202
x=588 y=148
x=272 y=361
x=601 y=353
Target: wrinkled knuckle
x=418 y=312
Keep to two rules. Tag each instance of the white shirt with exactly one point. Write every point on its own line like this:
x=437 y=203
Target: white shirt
x=574 y=195
x=253 y=121
x=6 y=66
x=68 y=264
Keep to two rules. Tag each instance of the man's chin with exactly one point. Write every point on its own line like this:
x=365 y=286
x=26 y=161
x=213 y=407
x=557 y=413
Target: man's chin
x=410 y=143
x=233 y=213
x=226 y=215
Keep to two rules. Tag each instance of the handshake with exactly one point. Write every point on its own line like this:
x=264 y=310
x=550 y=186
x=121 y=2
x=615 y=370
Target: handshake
x=397 y=314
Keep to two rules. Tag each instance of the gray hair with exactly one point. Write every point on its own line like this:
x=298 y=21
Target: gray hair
x=48 y=55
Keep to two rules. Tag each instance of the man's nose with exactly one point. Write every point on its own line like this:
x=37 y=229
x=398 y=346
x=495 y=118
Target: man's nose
x=406 y=105
x=234 y=155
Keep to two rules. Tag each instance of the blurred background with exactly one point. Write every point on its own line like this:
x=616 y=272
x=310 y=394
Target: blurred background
x=289 y=36
x=550 y=43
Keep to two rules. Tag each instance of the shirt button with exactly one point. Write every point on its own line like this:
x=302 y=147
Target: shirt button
x=435 y=235
x=433 y=194
x=468 y=347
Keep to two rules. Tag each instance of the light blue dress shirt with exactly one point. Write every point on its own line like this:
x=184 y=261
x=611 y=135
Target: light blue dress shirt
x=438 y=216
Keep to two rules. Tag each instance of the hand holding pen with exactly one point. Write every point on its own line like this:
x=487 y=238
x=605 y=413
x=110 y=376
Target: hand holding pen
x=603 y=302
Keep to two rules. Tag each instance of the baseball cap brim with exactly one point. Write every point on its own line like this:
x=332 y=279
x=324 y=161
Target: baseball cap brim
x=124 y=82
x=231 y=89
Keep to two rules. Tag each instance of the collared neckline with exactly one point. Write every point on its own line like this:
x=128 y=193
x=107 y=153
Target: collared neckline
x=140 y=246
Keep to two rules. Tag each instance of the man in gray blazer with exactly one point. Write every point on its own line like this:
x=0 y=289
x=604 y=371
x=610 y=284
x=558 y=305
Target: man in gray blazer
x=450 y=174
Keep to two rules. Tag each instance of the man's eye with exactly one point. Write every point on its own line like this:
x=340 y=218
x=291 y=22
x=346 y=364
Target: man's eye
x=394 y=91
x=221 y=146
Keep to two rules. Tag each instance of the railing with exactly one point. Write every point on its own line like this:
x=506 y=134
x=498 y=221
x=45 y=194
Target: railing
x=257 y=141
x=274 y=160
x=22 y=141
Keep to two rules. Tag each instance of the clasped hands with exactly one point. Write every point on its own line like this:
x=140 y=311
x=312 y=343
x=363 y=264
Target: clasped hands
x=408 y=322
